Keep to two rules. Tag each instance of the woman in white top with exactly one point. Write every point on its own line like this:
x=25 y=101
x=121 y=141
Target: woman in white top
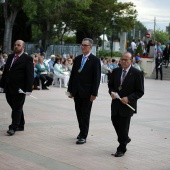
x=58 y=72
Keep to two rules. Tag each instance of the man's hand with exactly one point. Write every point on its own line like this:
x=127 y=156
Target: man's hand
x=1 y=90
x=124 y=100
x=70 y=96
x=115 y=95
x=92 y=98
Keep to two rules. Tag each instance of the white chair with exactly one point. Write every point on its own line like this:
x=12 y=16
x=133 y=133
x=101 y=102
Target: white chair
x=105 y=78
x=102 y=78
x=57 y=81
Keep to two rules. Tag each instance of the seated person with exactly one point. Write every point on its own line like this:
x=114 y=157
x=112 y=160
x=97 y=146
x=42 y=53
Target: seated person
x=36 y=78
x=42 y=73
x=70 y=64
x=114 y=64
x=58 y=72
x=65 y=65
x=137 y=63
x=51 y=63
x=105 y=69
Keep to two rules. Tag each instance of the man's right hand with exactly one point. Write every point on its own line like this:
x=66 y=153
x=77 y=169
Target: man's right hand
x=70 y=96
x=1 y=90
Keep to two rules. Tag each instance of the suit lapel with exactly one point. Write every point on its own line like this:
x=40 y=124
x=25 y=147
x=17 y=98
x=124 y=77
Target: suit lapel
x=119 y=75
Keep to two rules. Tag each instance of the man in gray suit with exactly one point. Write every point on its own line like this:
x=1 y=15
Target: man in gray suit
x=126 y=86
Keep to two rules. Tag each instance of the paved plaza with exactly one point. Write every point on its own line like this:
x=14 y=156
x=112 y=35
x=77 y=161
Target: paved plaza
x=48 y=142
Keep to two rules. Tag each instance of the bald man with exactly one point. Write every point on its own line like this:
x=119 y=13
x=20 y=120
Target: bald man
x=126 y=86
x=18 y=74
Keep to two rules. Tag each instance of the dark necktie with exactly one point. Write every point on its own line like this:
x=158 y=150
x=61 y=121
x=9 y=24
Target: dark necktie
x=123 y=76
x=15 y=59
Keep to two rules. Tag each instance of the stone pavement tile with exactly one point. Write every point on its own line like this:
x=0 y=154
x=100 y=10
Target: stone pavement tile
x=48 y=141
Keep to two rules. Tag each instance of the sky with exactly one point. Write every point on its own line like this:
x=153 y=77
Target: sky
x=150 y=9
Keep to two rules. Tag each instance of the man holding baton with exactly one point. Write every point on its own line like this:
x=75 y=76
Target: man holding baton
x=126 y=86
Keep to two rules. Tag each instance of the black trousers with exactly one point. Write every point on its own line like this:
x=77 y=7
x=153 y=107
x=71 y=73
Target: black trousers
x=160 y=70
x=36 y=82
x=16 y=103
x=83 y=109
x=121 y=125
x=46 y=77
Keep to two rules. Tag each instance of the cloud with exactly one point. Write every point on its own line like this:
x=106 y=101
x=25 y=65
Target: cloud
x=150 y=9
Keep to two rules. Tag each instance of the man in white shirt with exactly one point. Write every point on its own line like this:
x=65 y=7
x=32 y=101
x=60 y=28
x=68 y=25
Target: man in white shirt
x=133 y=46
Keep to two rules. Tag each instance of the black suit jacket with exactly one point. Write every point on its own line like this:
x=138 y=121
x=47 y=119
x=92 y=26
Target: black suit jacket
x=132 y=87
x=158 y=62
x=20 y=75
x=85 y=83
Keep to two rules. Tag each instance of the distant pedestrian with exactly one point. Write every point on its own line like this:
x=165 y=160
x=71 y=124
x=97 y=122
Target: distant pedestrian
x=158 y=65
x=166 y=54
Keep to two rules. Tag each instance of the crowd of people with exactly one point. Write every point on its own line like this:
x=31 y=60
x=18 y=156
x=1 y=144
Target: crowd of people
x=161 y=53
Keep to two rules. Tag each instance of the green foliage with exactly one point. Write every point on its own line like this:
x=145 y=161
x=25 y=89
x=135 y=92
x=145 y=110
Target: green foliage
x=139 y=50
x=70 y=40
x=160 y=36
x=91 y=23
x=88 y=17
x=139 y=27
x=108 y=54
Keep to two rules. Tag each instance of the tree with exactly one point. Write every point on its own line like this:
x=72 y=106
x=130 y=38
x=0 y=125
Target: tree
x=49 y=19
x=68 y=15
x=11 y=9
x=91 y=20
x=140 y=31
x=160 y=36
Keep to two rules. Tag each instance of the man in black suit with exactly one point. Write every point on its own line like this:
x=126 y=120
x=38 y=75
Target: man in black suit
x=126 y=86
x=158 y=65
x=83 y=86
x=18 y=74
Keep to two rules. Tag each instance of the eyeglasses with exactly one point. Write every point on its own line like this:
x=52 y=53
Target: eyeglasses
x=84 y=45
x=122 y=59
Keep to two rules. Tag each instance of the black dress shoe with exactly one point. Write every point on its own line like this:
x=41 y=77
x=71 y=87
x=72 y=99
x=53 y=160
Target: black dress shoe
x=81 y=141
x=19 y=129
x=45 y=88
x=11 y=132
x=129 y=140
x=78 y=137
x=36 y=88
x=119 y=154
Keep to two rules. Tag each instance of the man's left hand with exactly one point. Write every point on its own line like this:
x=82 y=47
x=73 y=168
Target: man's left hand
x=92 y=98
x=124 y=100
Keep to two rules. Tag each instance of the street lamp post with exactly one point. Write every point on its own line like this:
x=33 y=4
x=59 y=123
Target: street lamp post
x=113 y=24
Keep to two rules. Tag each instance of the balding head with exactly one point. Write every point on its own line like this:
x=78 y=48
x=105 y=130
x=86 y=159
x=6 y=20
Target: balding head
x=19 y=47
x=126 y=60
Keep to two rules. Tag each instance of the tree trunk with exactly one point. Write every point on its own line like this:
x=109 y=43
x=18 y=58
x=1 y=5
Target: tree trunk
x=47 y=37
x=9 y=22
